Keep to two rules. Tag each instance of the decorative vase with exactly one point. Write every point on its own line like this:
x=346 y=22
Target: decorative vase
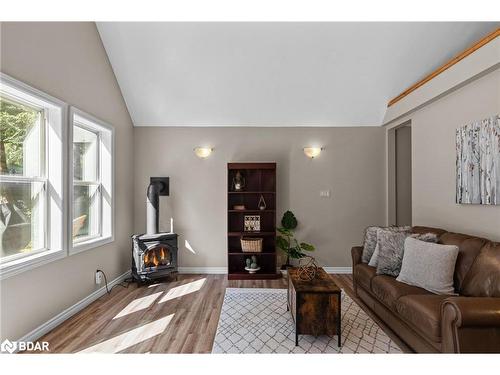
x=238 y=182
x=251 y=264
x=262 y=203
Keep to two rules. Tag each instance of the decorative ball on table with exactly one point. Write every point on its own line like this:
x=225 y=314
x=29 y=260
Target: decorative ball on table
x=308 y=268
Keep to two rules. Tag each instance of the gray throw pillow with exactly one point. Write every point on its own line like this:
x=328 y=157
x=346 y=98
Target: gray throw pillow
x=429 y=266
x=371 y=240
x=370 y=243
x=390 y=254
x=427 y=237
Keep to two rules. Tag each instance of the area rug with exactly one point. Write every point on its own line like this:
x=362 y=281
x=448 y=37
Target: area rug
x=256 y=321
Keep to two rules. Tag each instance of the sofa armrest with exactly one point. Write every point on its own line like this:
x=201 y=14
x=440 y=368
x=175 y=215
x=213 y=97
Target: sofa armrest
x=473 y=311
x=356 y=253
x=470 y=324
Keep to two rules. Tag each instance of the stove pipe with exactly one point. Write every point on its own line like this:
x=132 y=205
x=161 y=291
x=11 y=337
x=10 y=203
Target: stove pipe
x=152 y=207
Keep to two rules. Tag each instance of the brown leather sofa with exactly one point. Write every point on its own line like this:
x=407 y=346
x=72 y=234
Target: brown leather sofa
x=426 y=322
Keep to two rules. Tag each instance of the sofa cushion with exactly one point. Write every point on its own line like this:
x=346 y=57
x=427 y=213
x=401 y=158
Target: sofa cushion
x=364 y=275
x=483 y=279
x=388 y=290
x=423 y=313
x=468 y=249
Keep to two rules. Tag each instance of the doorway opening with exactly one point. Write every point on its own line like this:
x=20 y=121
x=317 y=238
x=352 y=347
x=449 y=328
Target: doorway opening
x=400 y=175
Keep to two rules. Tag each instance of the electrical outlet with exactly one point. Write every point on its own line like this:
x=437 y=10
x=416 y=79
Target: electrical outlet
x=98 y=278
x=324 y=193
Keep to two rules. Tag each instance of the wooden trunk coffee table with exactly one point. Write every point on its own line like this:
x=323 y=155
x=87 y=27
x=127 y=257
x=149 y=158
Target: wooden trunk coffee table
x=315 y=305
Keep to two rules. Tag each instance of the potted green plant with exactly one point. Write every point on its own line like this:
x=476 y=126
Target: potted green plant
x=287 y=242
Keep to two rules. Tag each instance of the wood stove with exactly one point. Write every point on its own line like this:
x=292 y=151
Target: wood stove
x=154 y=254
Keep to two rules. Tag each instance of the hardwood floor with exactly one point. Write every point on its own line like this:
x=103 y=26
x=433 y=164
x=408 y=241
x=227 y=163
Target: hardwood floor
x=169 y=317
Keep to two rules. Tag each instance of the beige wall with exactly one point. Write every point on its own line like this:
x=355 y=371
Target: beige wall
x=68 y=61
x=433 y=154
x=350 y=167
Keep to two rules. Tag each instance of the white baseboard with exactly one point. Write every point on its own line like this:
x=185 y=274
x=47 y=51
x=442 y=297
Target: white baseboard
x=207 y=270
x=338 y=269
x=70 y=311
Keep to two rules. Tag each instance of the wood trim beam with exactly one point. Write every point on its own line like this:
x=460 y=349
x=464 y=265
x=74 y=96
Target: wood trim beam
x=488 y=38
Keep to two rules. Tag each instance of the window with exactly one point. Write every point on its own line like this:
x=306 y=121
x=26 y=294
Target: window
x=22 y=193
x=31 y=177
x=92 y=181
x=86 y=186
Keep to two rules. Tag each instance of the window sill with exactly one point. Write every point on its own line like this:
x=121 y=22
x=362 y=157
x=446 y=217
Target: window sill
x=18 y=266
x=90 y=244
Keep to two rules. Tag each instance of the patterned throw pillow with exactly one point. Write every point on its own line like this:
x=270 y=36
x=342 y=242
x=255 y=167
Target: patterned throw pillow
x=371 y=240
x=426 y=237
x=391 y=248
x=370 y=243
x=390 y=256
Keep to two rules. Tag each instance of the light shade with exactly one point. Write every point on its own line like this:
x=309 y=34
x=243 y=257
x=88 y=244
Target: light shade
x=312 y=152
x=203 y=152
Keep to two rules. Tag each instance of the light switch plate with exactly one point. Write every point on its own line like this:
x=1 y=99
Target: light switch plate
x=324 y=193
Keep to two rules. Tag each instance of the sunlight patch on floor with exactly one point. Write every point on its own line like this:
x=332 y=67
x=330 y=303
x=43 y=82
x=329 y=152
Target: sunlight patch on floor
x=182 y=290
x=130 y=338
x=155 y=285
x=138 y=304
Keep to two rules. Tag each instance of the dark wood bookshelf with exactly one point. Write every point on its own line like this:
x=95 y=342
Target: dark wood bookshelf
x=260 y=180
x=250 y=254
x=249 y=234
x=251 y=192
x=252 y=211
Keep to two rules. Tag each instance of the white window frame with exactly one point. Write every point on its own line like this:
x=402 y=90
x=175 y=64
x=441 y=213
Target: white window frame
x=105 y=178
x=40 y=178
x=55 y=176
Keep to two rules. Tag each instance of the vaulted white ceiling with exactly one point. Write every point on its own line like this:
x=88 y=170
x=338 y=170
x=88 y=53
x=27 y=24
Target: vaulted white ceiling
x=274 y=74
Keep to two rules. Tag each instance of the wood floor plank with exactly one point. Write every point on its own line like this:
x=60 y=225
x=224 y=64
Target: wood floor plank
x=126 y=321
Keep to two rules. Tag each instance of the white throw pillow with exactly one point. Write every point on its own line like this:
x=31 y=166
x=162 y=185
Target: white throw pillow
x=429 y=266
x=374 y=259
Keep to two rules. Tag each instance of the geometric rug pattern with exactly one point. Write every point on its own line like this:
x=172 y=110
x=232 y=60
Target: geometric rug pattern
x=255 y=320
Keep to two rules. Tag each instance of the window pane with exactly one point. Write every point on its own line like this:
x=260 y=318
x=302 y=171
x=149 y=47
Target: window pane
x=22 y=217
x=84 y=154
x=21 y=139
x=86 y=200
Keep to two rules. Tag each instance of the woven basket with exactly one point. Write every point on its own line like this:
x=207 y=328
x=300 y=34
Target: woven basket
x=251 y=245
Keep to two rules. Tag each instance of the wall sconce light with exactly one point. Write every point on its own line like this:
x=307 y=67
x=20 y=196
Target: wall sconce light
x=312 y=152
x=203 y=152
